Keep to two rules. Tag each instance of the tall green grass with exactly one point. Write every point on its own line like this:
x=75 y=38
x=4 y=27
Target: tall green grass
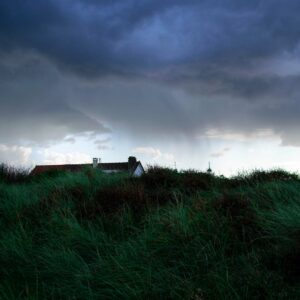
x=167 y=235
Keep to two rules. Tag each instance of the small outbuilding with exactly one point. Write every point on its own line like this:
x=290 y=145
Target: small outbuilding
x=132 y=167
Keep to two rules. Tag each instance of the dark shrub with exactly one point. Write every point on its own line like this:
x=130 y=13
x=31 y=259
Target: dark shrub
x=260 y=176
x=232 y=204
x=112 y=199
x=239 y=214
x=48 y=174
x=11 y=174
x=159 y=196
x=291 y=264
x=55 y=200
x=158 y=176
x=192 y=180
x=285 y=257
x=78 y=193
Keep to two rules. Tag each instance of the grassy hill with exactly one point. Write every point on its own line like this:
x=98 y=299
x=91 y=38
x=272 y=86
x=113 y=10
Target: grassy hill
x=167 y=235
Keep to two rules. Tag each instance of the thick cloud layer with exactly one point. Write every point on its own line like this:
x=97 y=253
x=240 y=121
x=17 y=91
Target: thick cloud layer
x=34 y=103
x=100 y=37
x=155 y=68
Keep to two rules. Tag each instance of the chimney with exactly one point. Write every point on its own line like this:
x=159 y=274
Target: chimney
x=95 y=162
x=131 y=161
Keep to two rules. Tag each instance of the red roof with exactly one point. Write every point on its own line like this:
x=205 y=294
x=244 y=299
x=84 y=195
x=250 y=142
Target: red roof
x=120 y=166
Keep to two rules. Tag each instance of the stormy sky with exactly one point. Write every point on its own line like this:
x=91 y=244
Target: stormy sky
x=172 y=82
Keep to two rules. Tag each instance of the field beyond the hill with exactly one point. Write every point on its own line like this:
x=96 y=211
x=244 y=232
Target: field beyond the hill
x=166 y=235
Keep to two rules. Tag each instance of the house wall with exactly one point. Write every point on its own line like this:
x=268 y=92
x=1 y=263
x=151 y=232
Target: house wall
x=111 y=171
x=138 y=171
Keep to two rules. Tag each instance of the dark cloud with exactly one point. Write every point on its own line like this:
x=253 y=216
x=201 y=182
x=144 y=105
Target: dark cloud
x=102 y=37
x=153 y=68
x=34 y=104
